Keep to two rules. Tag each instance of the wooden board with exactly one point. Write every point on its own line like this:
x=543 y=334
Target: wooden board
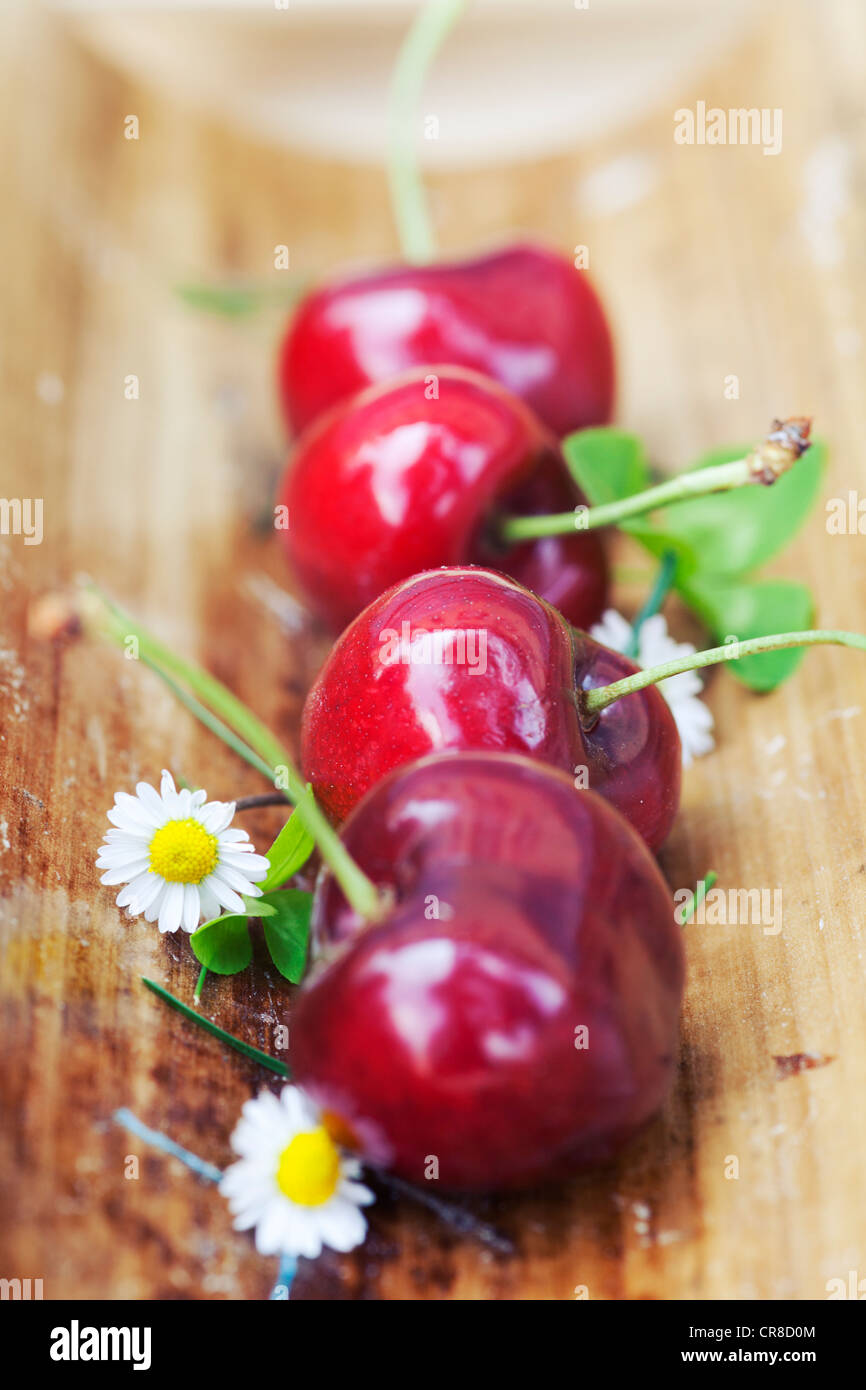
x=714 y=261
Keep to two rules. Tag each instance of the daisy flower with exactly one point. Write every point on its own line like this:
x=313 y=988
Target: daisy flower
x=655 y=644
x=292 y=1182
x=177 y=856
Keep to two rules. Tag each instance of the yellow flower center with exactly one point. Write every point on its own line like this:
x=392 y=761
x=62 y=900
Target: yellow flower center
x=182 y=851
x=309 y=1168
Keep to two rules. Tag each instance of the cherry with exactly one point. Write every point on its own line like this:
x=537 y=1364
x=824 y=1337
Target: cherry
x=464 y=659
x=515 y=1014
x=524 y=316
x=415 y=474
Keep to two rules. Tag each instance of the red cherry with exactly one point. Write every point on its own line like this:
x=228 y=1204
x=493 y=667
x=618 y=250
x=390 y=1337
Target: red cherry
x=524 y=913
x=501 y=670
x=400 y=479
x=524 y=316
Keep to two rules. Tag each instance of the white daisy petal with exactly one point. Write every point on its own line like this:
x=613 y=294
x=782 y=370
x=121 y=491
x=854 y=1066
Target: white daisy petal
x=172 y=908
x=124 y=820
x=131 y=837
x=115 y=876
x=216 y=816
x=152 y=911
x=130 y=870
x=171 y=796
x=210 y=906
x=110 y=858
x=241 y=883
x=138 y=895
x=191 y=907
x=225 y=896
x=341 y=1225
x=255 y=866
x=151 y=799
x=692 y=717
x=357 y=1192
x=136 y=810
x=613 y=630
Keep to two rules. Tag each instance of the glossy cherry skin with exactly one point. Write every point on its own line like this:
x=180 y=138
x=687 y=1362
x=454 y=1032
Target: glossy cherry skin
x=458 y=1037
x=399 y=479
x=507 y=675
x=524 y=316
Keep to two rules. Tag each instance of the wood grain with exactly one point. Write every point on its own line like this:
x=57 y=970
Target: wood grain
x=729 y=262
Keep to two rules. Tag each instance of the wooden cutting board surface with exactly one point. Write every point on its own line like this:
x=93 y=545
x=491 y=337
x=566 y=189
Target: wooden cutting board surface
x=714 y=262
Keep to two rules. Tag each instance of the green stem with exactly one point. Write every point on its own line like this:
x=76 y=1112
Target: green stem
x=272 y=1063
x=111 y=622
x=658 y=594
x=199 y=985
x=698 y=896
x=419 y=48
x=594 y=701
x=210 y=721
x=252 y=803
x=685 y=486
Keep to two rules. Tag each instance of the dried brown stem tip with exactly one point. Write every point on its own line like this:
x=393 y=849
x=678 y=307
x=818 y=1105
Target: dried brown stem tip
x=786 y=442
x=53 y=616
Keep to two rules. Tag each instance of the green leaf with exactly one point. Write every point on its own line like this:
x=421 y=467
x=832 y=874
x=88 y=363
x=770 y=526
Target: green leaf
x=223 y=945
x=237 y=301
x=253 y=907
x=726 y=533
x=290 y=850
x=731 y=533
x=287 y=933
x=246 y=1049
x=754 y=610
x=606 y=464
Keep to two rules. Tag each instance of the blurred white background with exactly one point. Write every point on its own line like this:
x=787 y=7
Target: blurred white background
x=528 y=77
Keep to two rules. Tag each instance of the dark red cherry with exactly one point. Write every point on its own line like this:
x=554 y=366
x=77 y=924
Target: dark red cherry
x=415 y=474
x=468 y=659
x=516 y=1014
x=524 y=316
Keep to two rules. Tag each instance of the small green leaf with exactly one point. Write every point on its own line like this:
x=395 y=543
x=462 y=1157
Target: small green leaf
x=290 y=850
x=606 y=464
x=754 y=610
x=287 y=933
x=223 y=945
x=253 y=907
x=237 y=301
x=731 y=533
x=724 y=534
x=272 y=1063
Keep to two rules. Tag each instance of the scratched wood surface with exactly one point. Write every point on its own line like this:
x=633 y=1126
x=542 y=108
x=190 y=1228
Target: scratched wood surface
x=713 y=262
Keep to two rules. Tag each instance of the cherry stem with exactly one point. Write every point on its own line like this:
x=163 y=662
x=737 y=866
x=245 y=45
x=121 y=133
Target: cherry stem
x=106 y=619
x=703 y=481
x=252 y=803
x=419 y=48
x=779 y=451
x=594 y=701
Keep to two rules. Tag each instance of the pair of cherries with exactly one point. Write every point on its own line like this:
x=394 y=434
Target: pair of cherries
x=430 y=403
x=514 y=1010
